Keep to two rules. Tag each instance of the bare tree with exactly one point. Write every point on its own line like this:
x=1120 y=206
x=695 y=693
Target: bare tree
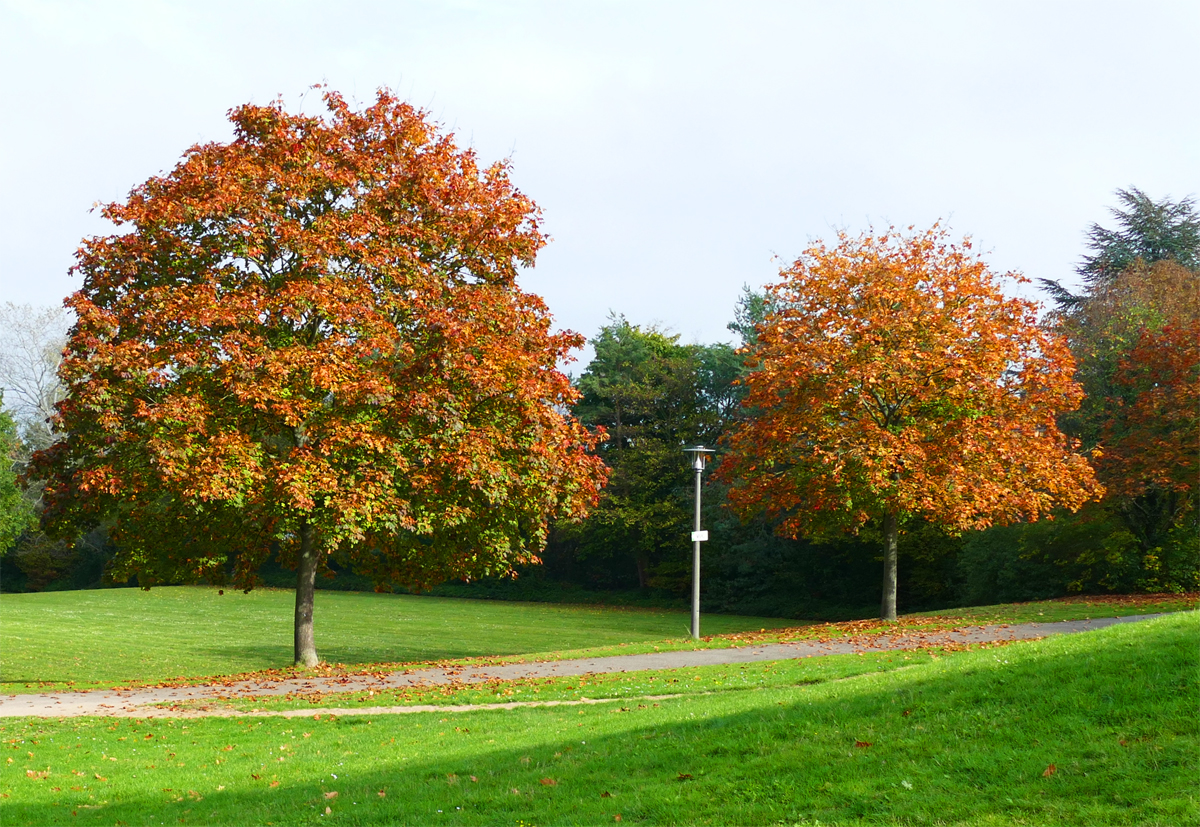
x=31 y=345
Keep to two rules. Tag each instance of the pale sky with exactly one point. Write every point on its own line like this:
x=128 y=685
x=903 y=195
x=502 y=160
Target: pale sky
x=676 y=148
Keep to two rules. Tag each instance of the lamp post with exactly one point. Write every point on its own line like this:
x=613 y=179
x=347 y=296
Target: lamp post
x=699 y=456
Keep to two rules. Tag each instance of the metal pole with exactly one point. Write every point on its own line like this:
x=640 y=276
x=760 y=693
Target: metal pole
x=699 y=466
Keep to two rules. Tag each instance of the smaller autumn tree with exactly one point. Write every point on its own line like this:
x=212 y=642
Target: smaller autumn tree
x=309 y=343
x=895 y=381
x=1151 y=458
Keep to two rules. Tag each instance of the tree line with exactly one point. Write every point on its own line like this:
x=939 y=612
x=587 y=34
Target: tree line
x=306 y=350
x=1130 y=337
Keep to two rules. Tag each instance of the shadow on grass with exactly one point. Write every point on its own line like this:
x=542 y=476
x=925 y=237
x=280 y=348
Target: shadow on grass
x=967 y=740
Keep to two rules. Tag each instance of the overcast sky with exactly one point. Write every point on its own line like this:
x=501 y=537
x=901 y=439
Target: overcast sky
x=675 y=148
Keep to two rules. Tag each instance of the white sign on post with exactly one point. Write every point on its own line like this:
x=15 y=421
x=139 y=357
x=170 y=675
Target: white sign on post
x=699 y=536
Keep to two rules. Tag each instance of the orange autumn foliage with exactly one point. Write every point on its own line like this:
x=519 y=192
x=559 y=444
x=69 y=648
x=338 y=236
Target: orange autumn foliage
x=894 y=380
x=313 y=334
x=1151 y=441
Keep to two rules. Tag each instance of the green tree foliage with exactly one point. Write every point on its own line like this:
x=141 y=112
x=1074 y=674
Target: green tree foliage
x=653 y=396
x=752 y=309
x=1148 y=230
x=16 y=513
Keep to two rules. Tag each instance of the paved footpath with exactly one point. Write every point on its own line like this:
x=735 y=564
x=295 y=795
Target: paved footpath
x=137 y=702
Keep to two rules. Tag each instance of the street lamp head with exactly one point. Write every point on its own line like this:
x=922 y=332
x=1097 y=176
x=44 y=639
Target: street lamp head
x=699 y=456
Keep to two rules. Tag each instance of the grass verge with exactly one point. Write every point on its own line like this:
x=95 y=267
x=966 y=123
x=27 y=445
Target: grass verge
x=1096 y=728
x=693 y=680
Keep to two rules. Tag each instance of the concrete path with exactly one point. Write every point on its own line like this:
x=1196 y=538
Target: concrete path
x=136 y=702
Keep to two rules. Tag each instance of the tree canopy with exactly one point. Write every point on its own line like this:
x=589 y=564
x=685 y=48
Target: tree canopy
x=1147 y=231
x=16 y=513
x=652 y=395
x=1132 y=331
x=310 y=342
x=894 y=380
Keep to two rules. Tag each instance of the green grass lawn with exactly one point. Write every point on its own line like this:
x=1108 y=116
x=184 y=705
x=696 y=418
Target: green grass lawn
x=106 y=636
x=1091 y=729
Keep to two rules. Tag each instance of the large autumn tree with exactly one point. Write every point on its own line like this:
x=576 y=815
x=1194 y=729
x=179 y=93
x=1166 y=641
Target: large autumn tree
x=310 y=342
x=894 y=381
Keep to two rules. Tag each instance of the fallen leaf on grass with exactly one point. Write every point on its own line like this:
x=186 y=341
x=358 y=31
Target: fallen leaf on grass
x=328 y=810
x=617 y=817
x=1049 y=771
x=274 y=783
x=606 y=795
x=382 y=794
x=39 y=773
x=549 y=782
x=331 y=794
x=684 y=776
x=255 y=777
x=100 y=777
x=863 y=744
x=473 y=779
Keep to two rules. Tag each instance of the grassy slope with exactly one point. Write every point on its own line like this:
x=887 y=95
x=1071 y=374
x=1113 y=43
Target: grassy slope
x=107 y=636
x=959 y=739
x=1081 y=607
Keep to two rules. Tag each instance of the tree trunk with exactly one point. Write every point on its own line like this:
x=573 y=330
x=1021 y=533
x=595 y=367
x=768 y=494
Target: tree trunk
x=306 y=581
x=642 y=562
x=891 y=535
